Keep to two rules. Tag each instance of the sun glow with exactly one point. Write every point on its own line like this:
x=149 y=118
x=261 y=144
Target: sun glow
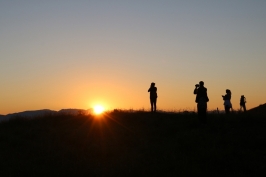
x=98 y=109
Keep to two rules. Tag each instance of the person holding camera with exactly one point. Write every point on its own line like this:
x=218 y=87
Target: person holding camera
x=243 y=103
x=201 y=99
x=227 y=101
x=153 y=96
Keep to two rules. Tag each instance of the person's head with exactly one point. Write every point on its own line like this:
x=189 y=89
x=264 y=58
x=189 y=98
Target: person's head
x=152 y=84
x=201 y=83
x=228 y=91
x=242 y=96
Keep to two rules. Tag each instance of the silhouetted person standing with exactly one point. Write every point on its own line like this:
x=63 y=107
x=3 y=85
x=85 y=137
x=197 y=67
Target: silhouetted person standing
x=201 y=100
x=153 y=96
x=227 y=101
x=243 y=103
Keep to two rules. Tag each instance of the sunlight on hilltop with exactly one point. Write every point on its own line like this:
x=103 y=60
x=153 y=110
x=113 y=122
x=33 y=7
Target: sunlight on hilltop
x=98 y=109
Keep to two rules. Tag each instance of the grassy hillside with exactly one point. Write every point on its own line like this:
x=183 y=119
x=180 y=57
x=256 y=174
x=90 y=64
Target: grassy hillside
x=134 y=143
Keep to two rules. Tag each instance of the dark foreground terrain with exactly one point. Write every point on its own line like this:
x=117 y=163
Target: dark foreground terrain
x=134 y=144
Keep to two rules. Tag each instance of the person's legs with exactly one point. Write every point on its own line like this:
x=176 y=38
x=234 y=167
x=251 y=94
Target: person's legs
x=151 y=101
x=198 y=109
x=153 y=104
x=244 y=106
x=202 y=109
x=204 y=115
x=155 y=100
x=227 y=109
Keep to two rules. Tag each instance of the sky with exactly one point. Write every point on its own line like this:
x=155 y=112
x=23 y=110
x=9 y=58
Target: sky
x=76 y=54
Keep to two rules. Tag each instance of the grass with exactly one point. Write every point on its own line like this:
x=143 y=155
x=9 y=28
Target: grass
x=128 y=143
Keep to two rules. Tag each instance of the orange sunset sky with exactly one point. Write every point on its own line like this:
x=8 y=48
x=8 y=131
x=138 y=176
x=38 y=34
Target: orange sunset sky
x=76 y=54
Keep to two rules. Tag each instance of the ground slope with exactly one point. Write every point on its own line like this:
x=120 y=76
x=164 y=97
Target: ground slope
x=134 y=144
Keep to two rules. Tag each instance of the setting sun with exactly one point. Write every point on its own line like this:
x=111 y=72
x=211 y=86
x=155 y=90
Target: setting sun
x=98 y=109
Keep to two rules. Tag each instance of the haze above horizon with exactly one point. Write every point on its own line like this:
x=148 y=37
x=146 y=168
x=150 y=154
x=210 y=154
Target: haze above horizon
x=78 y=54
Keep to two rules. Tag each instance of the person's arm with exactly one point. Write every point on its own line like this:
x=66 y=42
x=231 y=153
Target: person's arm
x=195 y=91
x=149 y=90
x=207 y=98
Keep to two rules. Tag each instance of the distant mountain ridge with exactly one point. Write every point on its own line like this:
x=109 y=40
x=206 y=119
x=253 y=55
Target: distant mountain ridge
x=32 y=113
x=74 y=111
x=44 y=112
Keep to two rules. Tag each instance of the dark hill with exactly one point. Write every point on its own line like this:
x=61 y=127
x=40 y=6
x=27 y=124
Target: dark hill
x=259 y=109
x=134 y=144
